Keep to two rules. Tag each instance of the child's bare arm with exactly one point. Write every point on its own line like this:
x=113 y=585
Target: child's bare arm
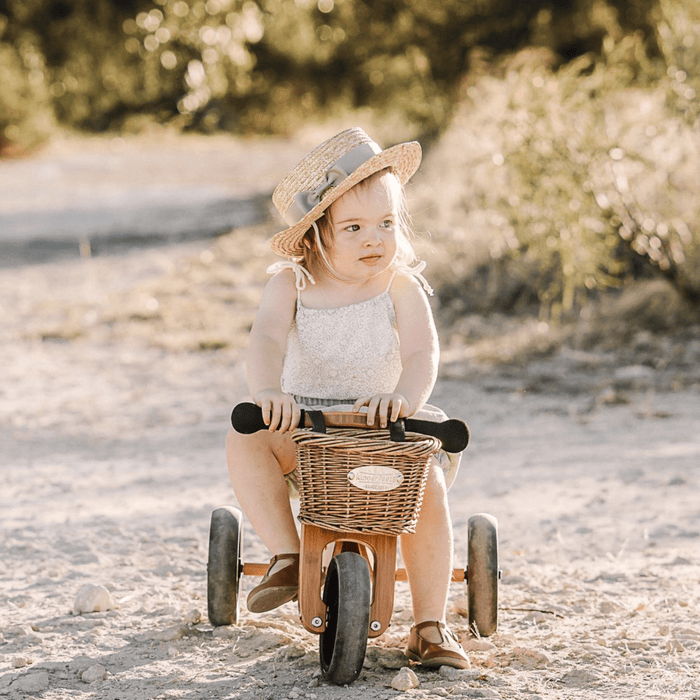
x=419 y=355
x=266 y=349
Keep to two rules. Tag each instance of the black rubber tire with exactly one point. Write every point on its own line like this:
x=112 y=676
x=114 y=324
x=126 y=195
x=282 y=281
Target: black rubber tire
x=346 y=594
x=224 y=565
x=482 y=575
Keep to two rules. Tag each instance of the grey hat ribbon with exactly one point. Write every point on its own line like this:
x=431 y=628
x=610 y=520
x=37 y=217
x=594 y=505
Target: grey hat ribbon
x=305 y=201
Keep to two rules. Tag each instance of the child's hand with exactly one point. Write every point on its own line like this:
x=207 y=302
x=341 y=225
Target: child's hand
x=387 y=407
x=279 y=410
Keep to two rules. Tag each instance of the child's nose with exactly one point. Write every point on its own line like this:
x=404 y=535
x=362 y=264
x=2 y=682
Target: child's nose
x=374 y=235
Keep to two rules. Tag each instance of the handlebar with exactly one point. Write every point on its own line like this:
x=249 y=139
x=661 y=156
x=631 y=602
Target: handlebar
x=247 y=418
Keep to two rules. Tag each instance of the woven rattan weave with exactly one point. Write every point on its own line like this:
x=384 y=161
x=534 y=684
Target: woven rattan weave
x=329 y=499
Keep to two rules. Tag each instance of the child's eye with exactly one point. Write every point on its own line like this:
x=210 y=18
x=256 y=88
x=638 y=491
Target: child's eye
x=352 y=228
x=387 y=223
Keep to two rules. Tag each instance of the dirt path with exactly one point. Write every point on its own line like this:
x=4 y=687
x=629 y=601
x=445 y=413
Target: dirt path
x=113 y=409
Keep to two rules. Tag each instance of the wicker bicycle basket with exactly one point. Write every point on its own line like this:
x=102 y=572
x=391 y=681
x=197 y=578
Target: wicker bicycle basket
x=355 y=480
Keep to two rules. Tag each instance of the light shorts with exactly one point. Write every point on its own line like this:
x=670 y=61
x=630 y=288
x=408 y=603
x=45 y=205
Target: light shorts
x=449 y=462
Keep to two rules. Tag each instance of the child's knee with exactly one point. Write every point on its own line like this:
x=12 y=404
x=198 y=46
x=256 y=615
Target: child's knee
x=242 y=449
x=436 y=476
x=435 y=494
x=238 y=445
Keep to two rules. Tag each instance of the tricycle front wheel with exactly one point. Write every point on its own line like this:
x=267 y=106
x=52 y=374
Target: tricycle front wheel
x=346 y=593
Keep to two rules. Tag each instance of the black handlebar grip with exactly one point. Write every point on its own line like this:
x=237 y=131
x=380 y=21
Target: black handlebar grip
x=247 y=418
x=452 y=433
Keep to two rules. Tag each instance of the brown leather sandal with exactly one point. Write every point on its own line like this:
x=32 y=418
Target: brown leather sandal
x=448 y=652
x=277 y=588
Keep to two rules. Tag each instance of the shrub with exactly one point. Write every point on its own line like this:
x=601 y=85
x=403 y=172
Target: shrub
x=26 y=114
x=557 y=184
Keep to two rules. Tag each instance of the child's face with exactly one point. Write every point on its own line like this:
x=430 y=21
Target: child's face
x=365 y=223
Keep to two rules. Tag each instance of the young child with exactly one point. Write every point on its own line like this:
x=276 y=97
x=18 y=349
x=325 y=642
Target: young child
x=345 y=321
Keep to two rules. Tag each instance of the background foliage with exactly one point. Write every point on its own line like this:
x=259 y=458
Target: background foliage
x=564 y=134
x=557 y=182
x=245 y=64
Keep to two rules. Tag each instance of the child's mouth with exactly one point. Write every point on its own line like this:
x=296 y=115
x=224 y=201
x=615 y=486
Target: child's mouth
x=370 y=259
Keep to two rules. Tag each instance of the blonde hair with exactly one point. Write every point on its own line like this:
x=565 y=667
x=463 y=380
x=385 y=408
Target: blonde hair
x=314 y=259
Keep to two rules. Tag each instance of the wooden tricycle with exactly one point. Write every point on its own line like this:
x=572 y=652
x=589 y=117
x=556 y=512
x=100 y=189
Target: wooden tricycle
x=359 y=487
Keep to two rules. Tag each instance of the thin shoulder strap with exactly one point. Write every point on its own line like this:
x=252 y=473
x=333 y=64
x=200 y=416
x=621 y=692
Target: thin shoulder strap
x=391 y=281
x=301 y=274
x=415 y=271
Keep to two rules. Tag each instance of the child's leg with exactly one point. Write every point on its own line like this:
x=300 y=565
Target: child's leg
x=256 y=465
x=427 y=554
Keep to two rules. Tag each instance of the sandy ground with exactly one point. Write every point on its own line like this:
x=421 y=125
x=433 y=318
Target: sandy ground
x=119 y=374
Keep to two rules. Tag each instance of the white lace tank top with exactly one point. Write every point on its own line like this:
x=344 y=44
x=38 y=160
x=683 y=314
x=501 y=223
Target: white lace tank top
x=343 y=353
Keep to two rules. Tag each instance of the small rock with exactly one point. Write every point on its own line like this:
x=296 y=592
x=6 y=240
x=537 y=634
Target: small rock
x=80 y=664
x=458 y=674
x=192 y=617
x=686 y=633
x=295 y=652
x=18 y=631
x=173 y=652
x=636 y=644
x=92 y=598
x=525 y=658
x=674 y=645
x=225 y=632
x=32 y=682
x=383 y=657
x=609 y=606
x=171 y=634
x=93 y=674
x=20 y=662
x=580 y=678
x=405 y=679
x=478 y=645
x=310 y=658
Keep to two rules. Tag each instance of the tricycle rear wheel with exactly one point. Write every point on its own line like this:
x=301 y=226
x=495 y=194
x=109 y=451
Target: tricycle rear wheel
x=224 y=565
x=482 y=574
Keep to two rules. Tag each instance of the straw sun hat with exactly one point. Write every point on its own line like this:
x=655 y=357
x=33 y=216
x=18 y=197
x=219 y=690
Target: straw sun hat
x=329 y=171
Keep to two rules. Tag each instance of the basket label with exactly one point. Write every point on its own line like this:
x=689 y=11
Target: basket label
x=375 y=478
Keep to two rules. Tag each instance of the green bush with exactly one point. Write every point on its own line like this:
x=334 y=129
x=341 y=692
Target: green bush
x=556 y=184
x=273 y=65
x=678 y=37
x=26 y=114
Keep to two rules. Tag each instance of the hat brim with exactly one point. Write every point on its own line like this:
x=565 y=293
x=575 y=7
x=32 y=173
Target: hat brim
x=403 y=160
